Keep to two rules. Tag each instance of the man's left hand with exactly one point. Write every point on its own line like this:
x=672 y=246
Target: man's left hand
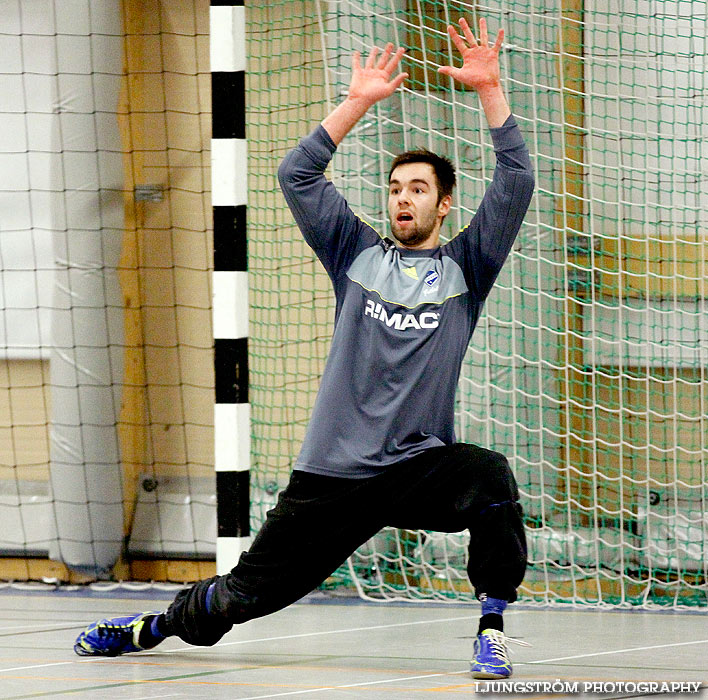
x=480 y=62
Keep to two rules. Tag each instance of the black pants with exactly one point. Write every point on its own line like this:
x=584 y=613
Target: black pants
x=319 y=521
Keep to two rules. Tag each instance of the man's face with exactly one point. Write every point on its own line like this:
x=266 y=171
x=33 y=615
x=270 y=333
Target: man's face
x=413 y=207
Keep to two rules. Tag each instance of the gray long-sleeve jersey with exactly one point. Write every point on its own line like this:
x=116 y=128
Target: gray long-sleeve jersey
x=403 y=318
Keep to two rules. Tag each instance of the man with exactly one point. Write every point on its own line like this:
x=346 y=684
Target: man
x=380 y=447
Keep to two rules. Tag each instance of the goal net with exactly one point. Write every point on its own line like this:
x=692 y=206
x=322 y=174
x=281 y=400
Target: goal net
x=588 y=367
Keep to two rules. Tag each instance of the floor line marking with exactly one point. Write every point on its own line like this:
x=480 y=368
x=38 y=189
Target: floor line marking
x=325 y=632
x=24 y=668
x=30 y=629
x=354 y=685
x=614 y=651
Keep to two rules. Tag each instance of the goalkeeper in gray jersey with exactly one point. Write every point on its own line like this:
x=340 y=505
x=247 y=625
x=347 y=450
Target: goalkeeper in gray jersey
x=380 y=448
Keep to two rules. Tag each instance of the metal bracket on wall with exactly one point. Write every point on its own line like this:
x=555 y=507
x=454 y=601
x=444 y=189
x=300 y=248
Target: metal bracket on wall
x=149 y=193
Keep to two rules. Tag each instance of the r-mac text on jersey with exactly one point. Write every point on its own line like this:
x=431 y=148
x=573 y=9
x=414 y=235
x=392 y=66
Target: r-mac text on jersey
x=399 y=321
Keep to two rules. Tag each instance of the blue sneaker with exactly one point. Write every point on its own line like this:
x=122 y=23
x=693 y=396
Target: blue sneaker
x=113 y=636
x=491 y=657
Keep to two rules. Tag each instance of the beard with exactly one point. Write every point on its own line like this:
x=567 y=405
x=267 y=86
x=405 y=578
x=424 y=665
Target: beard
x=415 y=235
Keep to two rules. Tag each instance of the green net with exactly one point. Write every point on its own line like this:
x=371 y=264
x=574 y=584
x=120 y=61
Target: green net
x=588 y=367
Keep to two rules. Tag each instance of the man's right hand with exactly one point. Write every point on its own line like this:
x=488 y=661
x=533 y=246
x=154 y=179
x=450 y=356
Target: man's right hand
x=372 y=82
x=369 y=84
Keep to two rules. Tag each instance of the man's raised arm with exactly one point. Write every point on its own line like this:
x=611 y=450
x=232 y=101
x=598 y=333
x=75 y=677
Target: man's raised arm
x=322 y=214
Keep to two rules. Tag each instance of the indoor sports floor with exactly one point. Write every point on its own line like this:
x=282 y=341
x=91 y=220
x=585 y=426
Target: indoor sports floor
x=344 y=649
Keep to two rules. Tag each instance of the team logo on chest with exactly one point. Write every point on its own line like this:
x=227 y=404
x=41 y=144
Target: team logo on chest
x=399 y=321
x=431 y=277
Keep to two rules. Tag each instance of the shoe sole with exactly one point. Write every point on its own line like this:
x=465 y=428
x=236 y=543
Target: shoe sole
x=489 y=676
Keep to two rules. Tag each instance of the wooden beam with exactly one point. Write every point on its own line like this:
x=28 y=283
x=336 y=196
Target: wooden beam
x=574 y=386
x=175 y=570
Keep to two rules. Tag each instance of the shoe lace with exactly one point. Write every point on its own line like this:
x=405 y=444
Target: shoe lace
x=115 y=633
x=498 y=642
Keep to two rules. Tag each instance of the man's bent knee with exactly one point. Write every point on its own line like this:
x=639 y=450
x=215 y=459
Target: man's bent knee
x=492 y=474
x=499 y=480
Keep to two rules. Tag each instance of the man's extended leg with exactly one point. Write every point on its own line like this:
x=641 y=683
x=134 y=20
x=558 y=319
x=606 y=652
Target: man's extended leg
x=317 y=522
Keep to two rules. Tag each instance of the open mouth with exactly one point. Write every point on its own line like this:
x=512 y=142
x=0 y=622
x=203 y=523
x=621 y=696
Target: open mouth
x=404 y=216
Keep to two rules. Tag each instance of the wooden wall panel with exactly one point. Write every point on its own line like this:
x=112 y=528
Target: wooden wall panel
x=24 y=420
x=655 y=267
x=166 y=131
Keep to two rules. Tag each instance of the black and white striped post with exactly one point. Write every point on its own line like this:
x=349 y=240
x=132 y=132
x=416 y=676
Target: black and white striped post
x=230 y=281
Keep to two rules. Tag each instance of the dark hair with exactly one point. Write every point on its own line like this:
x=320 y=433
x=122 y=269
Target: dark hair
x=444 y=170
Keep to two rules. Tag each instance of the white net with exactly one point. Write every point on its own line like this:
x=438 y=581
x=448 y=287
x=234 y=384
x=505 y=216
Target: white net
x=106 y=367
